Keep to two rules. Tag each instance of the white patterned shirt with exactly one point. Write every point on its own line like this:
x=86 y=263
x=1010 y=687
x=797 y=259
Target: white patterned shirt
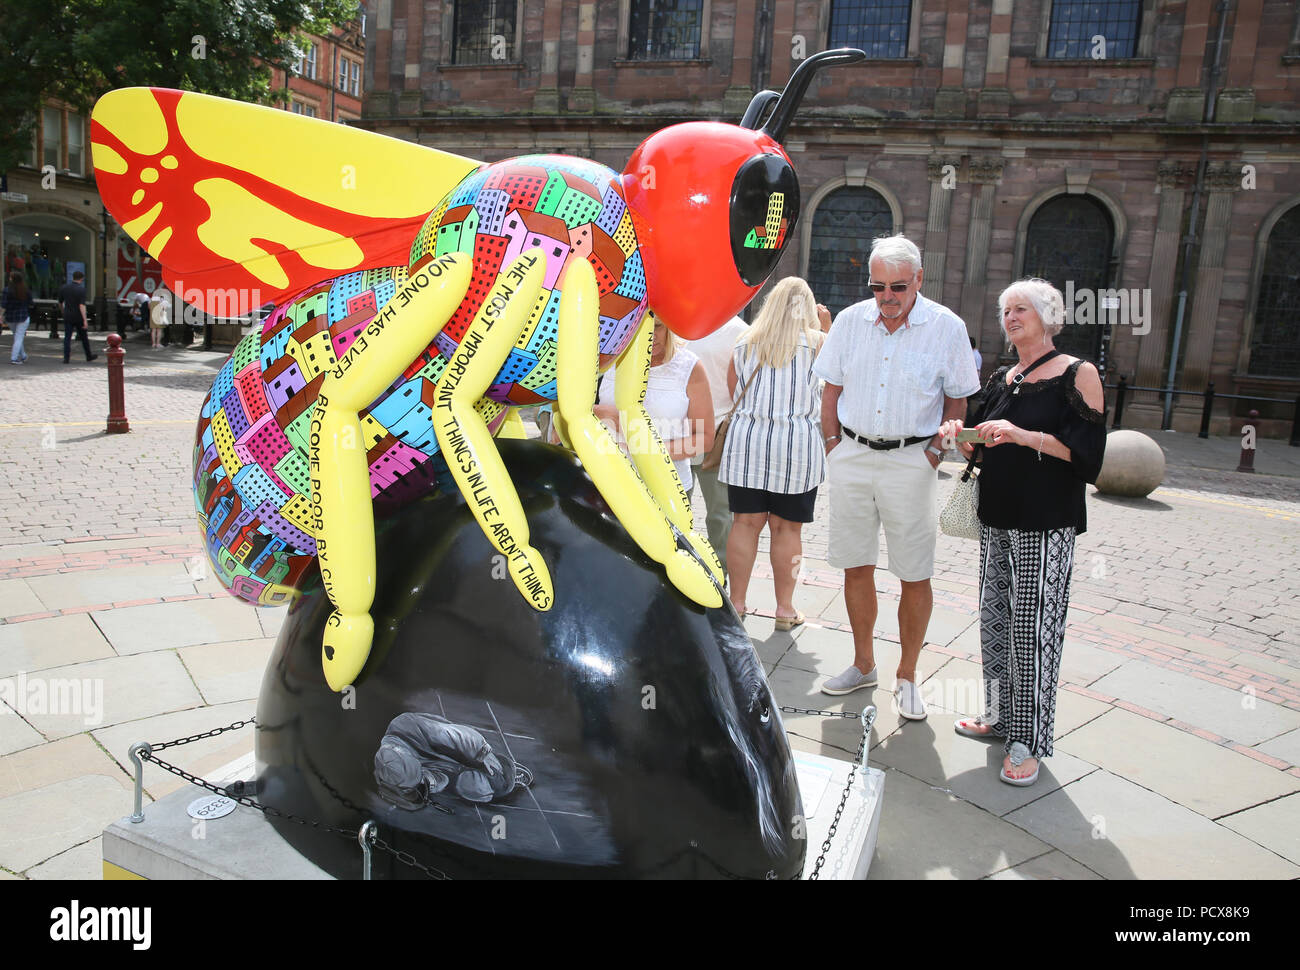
x=894 y=384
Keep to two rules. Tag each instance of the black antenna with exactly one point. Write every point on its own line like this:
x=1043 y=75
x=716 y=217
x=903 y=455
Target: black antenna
x=758 y=106
x=795 y=88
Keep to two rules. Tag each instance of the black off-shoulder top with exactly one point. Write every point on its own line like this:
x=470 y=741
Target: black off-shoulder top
x=1017 y=490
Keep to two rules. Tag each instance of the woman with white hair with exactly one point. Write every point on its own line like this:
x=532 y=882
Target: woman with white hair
x=1042 y=436
x=773 y=459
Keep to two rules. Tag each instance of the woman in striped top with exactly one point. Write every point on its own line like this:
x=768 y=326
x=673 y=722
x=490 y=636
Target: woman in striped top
x=773 y=459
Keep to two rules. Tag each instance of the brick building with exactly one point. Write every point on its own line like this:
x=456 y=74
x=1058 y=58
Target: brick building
x=327 y=81
x=1067 y=139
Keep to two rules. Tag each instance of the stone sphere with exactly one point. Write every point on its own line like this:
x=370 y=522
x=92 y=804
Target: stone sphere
x=1134 y=465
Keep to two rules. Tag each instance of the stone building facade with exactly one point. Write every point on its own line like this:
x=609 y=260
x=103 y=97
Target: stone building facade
x=1144 y=155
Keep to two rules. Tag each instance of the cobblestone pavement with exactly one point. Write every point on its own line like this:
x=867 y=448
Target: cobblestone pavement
x=1178 y=722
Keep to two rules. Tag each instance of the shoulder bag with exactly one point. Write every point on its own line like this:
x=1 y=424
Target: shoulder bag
x=714 y=457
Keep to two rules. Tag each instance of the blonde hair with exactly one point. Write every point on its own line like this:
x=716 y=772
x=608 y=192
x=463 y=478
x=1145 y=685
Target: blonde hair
x=670 y=344
x=788 y=311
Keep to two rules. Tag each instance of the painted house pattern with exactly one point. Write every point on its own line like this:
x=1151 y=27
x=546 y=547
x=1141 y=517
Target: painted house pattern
x=251 y=477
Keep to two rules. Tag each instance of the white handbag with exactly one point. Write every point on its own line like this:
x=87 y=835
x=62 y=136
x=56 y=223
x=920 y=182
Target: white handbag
x=960 y=516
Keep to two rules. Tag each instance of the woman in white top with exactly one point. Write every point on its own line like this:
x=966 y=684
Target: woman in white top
x=677 y=399
x=773 y=459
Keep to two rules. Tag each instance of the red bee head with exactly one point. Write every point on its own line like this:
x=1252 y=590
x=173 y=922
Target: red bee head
x=714 y=206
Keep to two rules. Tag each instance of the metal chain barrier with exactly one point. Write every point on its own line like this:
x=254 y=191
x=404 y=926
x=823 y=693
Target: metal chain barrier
x=367 y=833
x=868 y=718
x=145 y=752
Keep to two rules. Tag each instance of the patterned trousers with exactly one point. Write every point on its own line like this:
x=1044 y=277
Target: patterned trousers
x=1024 y=593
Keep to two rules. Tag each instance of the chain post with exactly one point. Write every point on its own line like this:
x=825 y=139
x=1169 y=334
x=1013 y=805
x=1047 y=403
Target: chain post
x=366 y=835
x=868 y=719
x=140 y=747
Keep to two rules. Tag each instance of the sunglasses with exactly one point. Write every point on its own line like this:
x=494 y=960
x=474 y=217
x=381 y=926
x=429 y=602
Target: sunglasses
x=895 y=287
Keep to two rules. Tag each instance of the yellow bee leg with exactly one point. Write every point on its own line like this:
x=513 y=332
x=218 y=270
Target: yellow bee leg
x=647 y=449
x=342 y=519
x=613 y=474
x=463 y=436
x=513 y=427
x=561 y=429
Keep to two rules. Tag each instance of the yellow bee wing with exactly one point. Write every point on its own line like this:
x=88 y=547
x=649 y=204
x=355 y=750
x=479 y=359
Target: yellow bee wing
x=238 y=197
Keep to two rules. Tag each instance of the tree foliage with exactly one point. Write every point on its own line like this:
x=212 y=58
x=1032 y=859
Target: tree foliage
x=76 y=50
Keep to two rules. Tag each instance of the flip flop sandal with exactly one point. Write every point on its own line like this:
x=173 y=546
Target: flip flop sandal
x=961 y=728
x=790 y=622
x=1018 y=754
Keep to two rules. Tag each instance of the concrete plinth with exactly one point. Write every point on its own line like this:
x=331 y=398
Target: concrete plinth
x=169 y=844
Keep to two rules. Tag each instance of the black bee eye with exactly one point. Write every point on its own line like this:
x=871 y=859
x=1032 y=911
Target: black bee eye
x=764 y=207
x=765 y=714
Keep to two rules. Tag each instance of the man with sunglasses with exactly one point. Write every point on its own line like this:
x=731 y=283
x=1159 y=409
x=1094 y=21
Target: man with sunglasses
x=896 y=367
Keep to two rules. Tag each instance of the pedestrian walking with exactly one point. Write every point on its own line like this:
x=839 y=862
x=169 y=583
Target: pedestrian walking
x=16 y=313
x=160 y=310
x=72 y=304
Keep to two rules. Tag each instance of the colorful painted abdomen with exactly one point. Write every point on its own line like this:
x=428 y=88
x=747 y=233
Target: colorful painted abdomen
x=251 y=486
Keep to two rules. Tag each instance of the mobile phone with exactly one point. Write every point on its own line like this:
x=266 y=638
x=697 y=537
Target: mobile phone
x=967 y=435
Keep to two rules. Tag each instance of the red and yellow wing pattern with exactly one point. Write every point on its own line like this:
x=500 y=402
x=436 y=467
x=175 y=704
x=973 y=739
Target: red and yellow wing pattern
x=244 y=204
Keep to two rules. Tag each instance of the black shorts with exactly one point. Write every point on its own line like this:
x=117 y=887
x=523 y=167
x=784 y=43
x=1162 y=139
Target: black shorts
x=755 y=501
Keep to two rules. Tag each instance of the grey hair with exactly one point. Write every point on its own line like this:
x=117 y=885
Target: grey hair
x=1046 y=298
x=896 y=251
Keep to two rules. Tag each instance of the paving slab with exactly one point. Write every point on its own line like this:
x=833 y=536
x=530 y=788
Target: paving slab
x=820 y=650
x=17 y=598
x=1284 y=746
x=270 y=619
x=1122 y=831
x=197 y=757
x=15 y=733
x=1053 y=865
x=1209 y=779
x=124 y=688
x=1264 y=665
x=926 y=833
x=1074 y=710
x=51 y=642
x=163 y=626
x=1084 y=664
x=797 y=688
x=1272 y=825
x=227 y=672
x=39 y=824
x=83 y=862
x=934 y=753
x=1193 y=701
x=61 y=760
x=120 y=584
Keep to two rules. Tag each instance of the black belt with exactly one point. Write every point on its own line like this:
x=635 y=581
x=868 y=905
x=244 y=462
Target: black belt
x=884 y=445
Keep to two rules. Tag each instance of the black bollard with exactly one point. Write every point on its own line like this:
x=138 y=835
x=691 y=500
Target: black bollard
x=1206 y=408
x=1120 y=393
x=1247 y=461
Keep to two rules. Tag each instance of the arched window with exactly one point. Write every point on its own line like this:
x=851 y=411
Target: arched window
x=1275 y=343
x=1069 y=243
x=843 y=226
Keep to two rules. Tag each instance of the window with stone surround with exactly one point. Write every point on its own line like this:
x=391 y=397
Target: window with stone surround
x=484 y=32
x=1076 y=25
x=1069 y=243
x=843 y=226
x=665 y=30
x=1275 y=342
x=879 y=27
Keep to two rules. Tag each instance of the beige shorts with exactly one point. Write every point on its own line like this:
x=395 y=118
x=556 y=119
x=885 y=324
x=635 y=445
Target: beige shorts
x=896 y=489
